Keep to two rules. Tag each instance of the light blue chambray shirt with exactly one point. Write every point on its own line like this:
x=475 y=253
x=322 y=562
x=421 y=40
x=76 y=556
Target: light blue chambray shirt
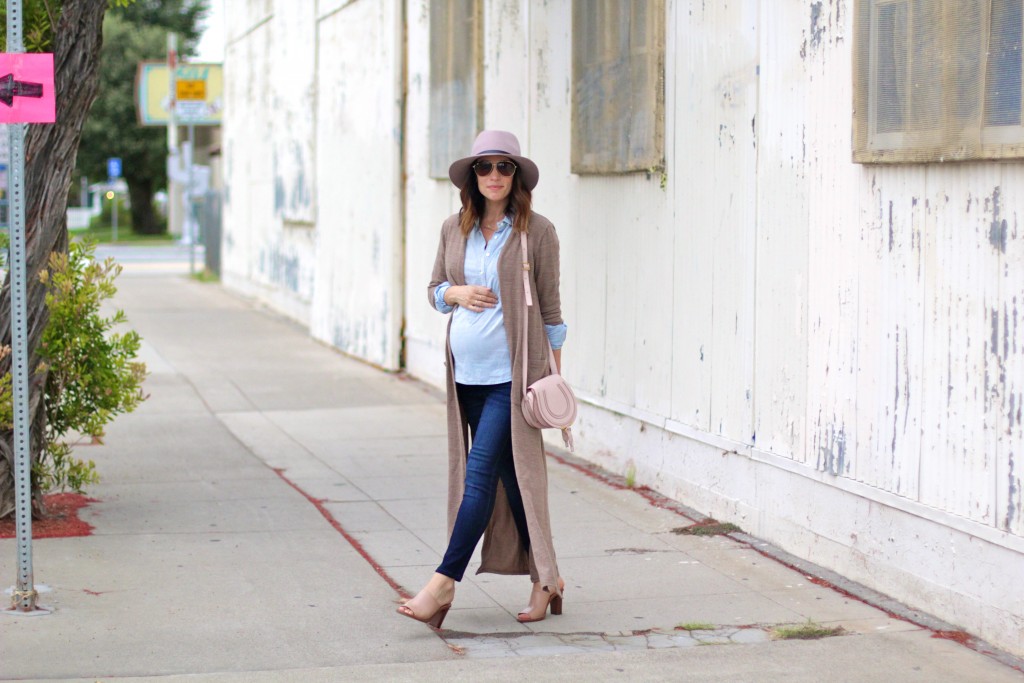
x=478 y=341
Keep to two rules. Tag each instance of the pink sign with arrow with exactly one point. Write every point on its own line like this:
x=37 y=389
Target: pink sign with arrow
x=26 y=88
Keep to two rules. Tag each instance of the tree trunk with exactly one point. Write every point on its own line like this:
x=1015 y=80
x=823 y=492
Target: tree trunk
x=144 y=218
x=50 y=151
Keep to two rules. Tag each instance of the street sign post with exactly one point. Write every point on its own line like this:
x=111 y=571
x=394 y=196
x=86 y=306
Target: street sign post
x=26 y=87
x=26 y=94
x=113 y=173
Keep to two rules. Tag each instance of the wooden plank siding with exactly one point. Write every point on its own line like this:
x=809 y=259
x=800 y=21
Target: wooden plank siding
x=714 y=123
x=356 y=305
x=830 y=354
x=781 y=287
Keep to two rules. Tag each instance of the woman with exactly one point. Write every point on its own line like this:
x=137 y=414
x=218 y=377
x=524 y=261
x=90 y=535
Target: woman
x=497 y=488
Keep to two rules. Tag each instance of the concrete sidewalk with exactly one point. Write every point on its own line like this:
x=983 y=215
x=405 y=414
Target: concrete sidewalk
x=260 y=514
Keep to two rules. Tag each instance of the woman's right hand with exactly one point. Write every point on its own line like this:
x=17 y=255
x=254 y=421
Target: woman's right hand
x=472 y=297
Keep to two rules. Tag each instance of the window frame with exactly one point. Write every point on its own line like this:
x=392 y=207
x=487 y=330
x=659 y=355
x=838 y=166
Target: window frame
x=440 y=156
x=618 y=156
x=997 y=141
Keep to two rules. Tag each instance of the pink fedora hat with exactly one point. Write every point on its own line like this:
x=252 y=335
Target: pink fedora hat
x=491 y=142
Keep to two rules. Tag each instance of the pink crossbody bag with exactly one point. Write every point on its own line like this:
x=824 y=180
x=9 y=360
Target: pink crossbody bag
x=548 y=403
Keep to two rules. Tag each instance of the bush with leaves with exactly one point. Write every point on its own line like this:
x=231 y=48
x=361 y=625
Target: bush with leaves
x=91 y=372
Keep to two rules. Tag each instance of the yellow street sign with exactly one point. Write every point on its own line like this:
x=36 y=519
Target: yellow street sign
x=199 y=90
x=191 y=90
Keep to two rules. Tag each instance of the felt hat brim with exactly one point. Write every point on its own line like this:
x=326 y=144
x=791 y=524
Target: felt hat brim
x=495 y=143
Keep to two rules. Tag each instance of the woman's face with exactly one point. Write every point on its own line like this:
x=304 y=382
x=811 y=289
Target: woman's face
x=494 y=186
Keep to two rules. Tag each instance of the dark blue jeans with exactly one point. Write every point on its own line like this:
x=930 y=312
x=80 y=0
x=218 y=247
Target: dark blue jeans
x=488 y=408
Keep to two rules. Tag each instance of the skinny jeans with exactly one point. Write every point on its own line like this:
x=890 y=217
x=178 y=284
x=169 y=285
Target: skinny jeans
x=488 y=409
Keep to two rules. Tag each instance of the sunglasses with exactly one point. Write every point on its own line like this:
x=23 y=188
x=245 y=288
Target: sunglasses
x=483 y=168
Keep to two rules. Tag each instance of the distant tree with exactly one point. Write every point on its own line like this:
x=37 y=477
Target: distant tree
x=72 y=30
x=134 y=34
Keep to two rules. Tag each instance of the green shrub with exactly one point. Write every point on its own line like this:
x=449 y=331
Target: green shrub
x=91 y=373
x=105 y=219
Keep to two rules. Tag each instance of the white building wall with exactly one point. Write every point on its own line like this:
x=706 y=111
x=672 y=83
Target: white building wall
x=822 y=352
x=428 y=201
x=358 y=293
x=313 y=151
x=750 y=338
x=269 y=205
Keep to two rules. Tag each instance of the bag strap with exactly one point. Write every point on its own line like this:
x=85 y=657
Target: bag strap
x=566 y=432
x=526 y=315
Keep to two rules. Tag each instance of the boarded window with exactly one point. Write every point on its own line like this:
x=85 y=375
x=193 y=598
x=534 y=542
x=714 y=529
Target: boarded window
x=938 y=80
x=456 y=114
x=618 y=85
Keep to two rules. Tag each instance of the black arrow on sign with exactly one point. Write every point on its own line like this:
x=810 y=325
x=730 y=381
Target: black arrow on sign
x=10 y=88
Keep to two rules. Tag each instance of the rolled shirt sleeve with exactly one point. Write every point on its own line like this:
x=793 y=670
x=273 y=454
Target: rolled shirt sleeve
x=556 y=334
x=439 y=303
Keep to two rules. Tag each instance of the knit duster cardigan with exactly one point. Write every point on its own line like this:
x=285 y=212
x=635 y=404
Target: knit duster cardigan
x=503 y=551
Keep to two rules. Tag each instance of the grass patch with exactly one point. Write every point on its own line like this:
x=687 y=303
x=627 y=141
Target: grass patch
x=105 y=235
x=808 y=631
x=709 y=527
x=205 y=275
x=696 y=626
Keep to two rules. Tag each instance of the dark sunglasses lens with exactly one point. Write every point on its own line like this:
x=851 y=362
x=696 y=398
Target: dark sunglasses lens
x=483 y=168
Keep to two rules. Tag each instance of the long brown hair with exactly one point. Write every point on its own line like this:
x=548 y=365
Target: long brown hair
x=520 y=202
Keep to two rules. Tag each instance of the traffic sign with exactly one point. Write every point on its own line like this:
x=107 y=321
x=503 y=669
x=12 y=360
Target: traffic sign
x=198 y=94
x=190 y=90
x=113 y=168
x=26 y=88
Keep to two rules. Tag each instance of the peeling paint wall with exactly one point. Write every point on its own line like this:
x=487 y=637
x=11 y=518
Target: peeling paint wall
x=830 y=355
x=428 y=202
x=357 y=303
x=269 y=241
x=312 y=163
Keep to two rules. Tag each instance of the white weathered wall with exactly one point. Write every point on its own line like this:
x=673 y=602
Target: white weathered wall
x=357 y=302
x=428 y=202
x=269 y=204
x=759 y=338
x=312 y=216
x=823 y=352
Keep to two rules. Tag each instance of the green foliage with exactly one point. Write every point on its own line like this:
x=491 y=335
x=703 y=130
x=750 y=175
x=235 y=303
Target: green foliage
x=91 y=373
x=808 y=631
x=135 y=34
x=105 y=235
x=39 y=17
x=5 y=243
x=696 y=626
x=106 y=215
x=59 y=469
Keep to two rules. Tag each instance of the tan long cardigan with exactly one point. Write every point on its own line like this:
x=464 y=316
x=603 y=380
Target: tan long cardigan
x=502 y=551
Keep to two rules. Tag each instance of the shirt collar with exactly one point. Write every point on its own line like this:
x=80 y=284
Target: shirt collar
x=503 y=225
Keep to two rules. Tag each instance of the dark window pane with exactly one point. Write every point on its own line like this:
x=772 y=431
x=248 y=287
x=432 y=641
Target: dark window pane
x=891 y=67
x=454 y=94
x=618 y=85
x=1003 y=77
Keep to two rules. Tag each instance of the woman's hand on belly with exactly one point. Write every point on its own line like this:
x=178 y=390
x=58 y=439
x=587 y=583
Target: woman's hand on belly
x=471 y=297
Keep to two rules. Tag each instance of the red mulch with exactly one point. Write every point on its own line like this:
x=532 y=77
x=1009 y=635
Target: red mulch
x=61 y=520
x=956 y=636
